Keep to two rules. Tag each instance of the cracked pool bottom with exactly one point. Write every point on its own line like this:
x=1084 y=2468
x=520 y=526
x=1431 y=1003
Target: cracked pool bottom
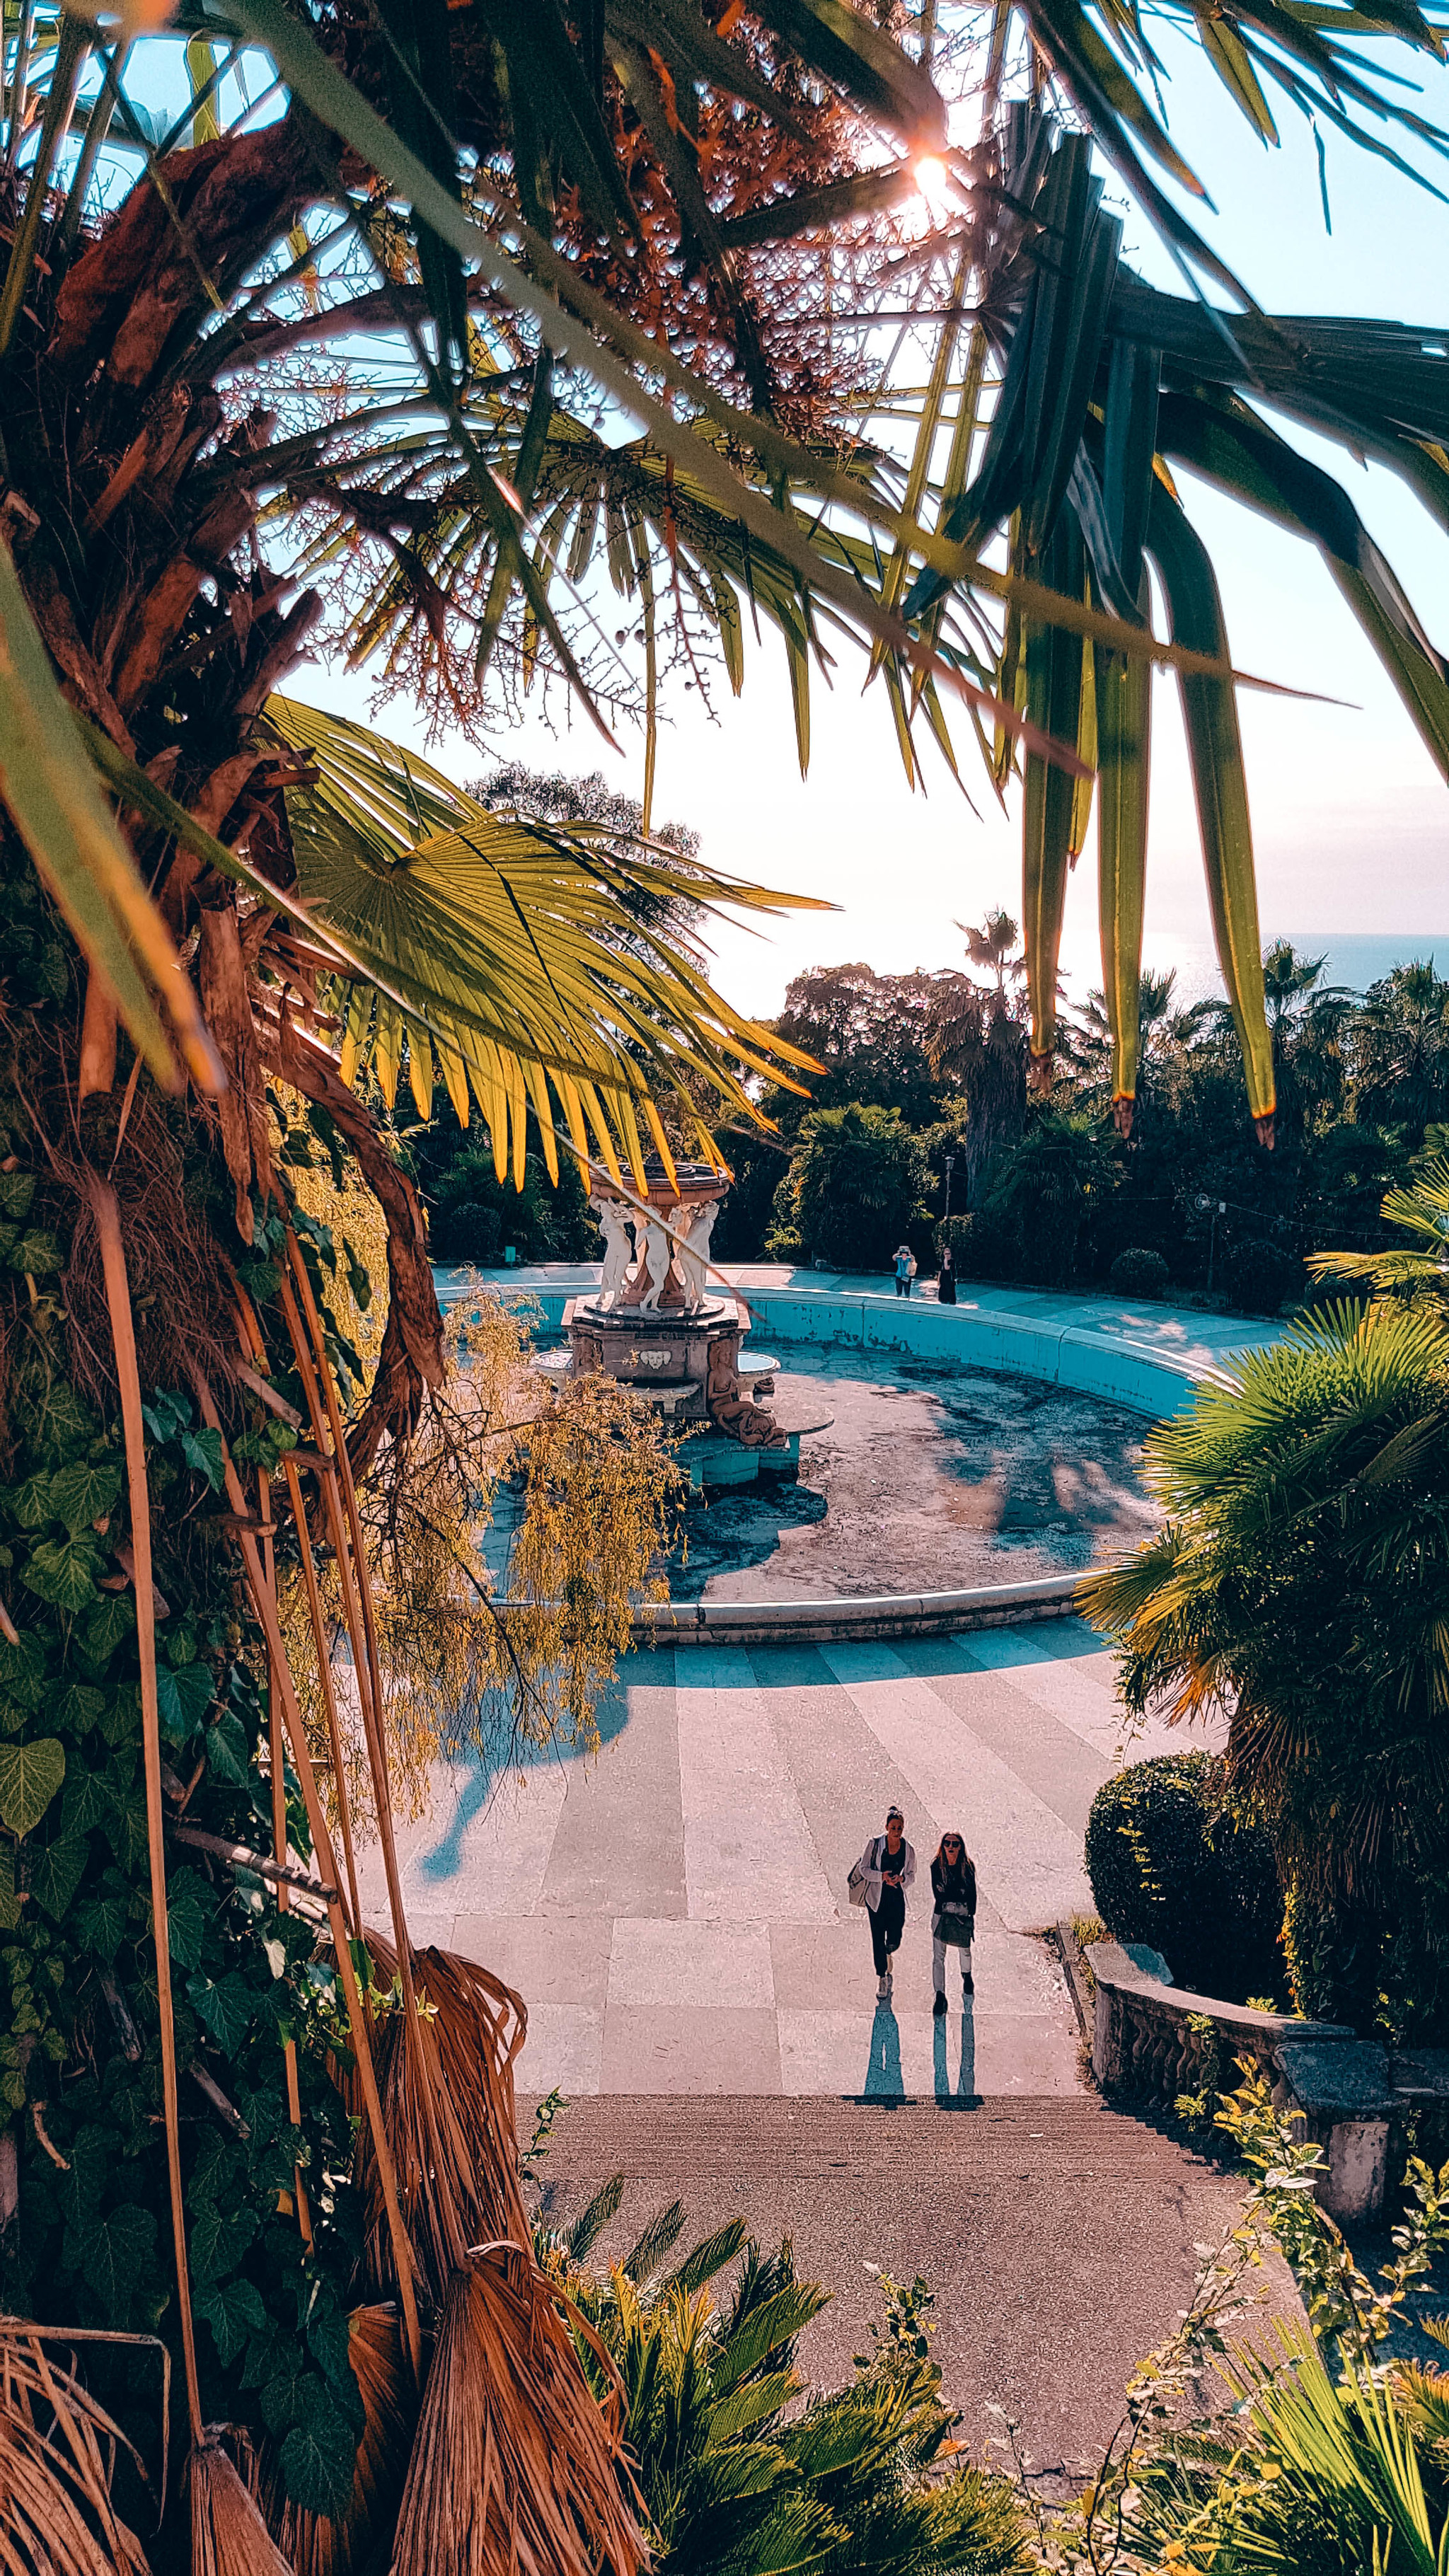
x=929 y=1478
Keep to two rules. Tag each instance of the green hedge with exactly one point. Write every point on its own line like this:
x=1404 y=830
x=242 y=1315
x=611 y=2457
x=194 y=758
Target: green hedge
x=1170 y=1865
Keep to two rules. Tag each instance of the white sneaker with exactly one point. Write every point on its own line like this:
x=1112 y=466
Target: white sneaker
x=883 y=1987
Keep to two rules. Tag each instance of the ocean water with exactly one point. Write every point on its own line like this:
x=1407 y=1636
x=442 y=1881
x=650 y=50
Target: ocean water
x=1356 y=958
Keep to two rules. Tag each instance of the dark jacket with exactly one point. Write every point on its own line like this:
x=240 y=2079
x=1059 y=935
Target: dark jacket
x=954 y=1886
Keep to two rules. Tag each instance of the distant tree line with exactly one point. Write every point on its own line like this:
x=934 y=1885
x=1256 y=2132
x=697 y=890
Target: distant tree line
x=920 y=1127
x=925 y=1067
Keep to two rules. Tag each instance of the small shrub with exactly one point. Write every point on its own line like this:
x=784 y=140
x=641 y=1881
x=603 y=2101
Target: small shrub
x=1171 y=1866
x=1139 y=1273
x=1258 y=1276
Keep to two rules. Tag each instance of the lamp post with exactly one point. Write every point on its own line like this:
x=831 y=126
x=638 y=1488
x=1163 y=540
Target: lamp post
x=950 y=1162
x=1219 y=1208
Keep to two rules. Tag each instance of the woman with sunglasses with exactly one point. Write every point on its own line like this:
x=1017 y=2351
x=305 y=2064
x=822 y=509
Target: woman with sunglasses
x=953 y=1924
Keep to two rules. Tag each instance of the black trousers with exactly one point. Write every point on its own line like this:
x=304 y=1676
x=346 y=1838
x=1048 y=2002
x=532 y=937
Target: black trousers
x=887 y=1923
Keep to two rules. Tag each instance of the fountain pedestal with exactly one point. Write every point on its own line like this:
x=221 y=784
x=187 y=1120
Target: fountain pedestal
x=659 y=1326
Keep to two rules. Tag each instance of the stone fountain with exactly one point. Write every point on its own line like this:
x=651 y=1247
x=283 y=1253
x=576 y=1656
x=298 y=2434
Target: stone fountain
x=662 y=1326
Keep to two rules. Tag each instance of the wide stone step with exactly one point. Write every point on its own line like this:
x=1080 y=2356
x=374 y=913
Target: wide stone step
x=672 y=2137
x=1060 y=2236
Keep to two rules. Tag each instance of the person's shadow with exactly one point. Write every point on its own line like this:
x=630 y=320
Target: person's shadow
x=884 y=2081
x=965 y=2096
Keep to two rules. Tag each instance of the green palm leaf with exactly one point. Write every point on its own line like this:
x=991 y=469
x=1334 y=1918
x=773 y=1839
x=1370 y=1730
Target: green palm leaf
x=520 y=975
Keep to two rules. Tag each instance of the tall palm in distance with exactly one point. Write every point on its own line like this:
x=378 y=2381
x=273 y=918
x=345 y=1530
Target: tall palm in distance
x=1307 y=1024
x=1402 y=1046
x=977 y=1043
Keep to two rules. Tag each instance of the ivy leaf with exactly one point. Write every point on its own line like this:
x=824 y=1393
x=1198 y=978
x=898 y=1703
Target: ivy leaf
x=165 y=1415
x=233 y=2310
x=30 y=1775
x=30 y=1501
x=38 y=1252
x=53 y=1875
x=219 y=2239
x=17 y=1189
x=319 y=2456
x=330 y=2339
x=226 y=1749
x=78 y=1708
x=287 y=2372
x=359 y=1279
x=90 y=1800
x=126 y=1826
x=63 y=1572
x=202 y=1452
x=80 y=1494
x=183 y=1699
x=121 y=1720
x=114 y=2255
x=225 y=2006
x=100 y=1923
x=62 y=1427
x=187 y=1918
x=9 y=1901
x=22 y=1670
x=108 y=1626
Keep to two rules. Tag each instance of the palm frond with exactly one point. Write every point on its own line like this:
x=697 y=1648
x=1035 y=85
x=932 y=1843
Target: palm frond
x=530 y=981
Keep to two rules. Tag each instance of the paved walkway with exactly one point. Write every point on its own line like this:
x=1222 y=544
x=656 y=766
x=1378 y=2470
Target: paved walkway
x=675 y=1913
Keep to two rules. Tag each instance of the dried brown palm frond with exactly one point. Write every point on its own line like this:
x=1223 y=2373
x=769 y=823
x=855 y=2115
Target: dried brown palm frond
x=453 y=2144
x=315 y=2546
x=228 y=2535
x=515 y=2464
x=57 y=2454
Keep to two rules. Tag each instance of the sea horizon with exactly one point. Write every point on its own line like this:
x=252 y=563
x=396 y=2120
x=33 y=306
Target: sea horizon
x=1352 y=958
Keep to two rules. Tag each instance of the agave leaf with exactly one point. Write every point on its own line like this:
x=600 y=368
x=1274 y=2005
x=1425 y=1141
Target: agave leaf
x=1124 y=745
x=1053 y=662
x=1215 y=750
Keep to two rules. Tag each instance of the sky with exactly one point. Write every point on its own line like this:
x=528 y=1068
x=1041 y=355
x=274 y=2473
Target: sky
x=1351 y=819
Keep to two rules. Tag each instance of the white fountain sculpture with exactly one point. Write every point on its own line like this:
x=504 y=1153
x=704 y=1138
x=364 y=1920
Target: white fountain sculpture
x=692 y=1256
x=618 y=1250
x=654 y=1262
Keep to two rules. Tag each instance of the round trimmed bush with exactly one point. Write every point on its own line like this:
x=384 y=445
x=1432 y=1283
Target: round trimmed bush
x=1139 y=1273
x=1258 y=1276
x=1171 y=1866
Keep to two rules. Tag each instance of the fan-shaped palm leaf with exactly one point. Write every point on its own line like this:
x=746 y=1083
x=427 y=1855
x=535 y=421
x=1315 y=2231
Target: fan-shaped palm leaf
x=529 y=982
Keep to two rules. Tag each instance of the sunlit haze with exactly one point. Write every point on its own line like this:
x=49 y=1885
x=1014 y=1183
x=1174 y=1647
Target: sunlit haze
x=1351 y=818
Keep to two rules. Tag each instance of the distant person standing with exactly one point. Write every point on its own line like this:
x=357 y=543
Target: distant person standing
x=905 y=1269
x=953 y=1922
x=886 y=1868
x=946 y=1280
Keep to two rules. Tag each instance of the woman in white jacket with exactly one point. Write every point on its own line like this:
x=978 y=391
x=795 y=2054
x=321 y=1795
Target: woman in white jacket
x=888 y=1866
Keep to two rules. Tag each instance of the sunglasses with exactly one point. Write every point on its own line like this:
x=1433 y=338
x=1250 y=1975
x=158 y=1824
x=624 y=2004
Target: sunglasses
x=951 y=1842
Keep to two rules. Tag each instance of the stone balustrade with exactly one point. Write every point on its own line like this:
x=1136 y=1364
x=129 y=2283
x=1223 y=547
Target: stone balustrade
x=1154 y=2042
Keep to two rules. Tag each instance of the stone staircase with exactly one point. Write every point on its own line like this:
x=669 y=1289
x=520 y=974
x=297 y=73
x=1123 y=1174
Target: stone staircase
x=1058 y=2234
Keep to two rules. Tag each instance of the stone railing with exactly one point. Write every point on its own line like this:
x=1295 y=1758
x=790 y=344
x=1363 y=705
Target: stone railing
x=1153 y=2043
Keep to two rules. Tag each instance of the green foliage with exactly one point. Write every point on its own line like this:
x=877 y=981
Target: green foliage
x=1170 y=1864
x=949 y=1053
x=738 y=2477
x=474 y=1213
x=854 y=1186
x=1300 y=1586
x=1049 y=1188
x=1260 y=1276
x=1139 y=1273
x=1325 y=2459
x=78 y=2011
